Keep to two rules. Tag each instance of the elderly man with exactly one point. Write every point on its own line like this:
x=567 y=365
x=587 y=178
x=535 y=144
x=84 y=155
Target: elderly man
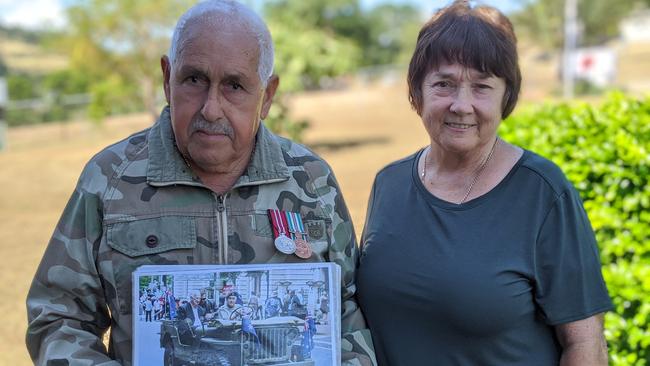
x=195 y=188
x=193 y=310
x=193 y=315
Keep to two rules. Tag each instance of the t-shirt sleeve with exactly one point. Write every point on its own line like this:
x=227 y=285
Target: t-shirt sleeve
x=569 y=285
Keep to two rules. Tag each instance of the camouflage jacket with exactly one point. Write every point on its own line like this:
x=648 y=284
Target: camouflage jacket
x=138 y=203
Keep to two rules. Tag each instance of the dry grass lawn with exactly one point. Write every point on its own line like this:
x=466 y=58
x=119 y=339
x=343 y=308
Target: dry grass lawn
x=25 y=57
x=358 y=131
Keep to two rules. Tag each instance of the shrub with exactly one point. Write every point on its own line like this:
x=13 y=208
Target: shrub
x=113 y=96
x=281 y=123
x=605 y=151
x=44 y=96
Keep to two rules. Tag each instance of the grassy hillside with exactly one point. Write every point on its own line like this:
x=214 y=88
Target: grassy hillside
x=22 y=52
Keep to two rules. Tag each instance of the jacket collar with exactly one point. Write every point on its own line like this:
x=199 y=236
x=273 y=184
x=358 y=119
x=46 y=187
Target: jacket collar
x=167 y=167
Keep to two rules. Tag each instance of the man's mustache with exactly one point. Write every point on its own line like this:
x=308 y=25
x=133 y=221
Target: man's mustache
x=220 y=127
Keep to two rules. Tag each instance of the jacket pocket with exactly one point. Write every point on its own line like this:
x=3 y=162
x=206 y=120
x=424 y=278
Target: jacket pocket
x=262 y=225
x=152 y=236
x=151 y=241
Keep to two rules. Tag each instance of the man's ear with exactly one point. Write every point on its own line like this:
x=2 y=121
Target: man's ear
x=269 y=92
x=166 y=70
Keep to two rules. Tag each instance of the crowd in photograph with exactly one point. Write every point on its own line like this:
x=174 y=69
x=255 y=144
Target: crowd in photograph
x=157 y=301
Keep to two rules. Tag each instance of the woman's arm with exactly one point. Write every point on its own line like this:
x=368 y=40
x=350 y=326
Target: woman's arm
x=582 y=342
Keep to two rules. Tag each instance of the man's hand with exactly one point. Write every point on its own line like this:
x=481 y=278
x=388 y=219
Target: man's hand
x=355 y=359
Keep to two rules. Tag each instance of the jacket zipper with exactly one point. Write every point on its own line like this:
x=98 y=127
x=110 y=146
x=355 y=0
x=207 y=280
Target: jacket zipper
x=222 y=223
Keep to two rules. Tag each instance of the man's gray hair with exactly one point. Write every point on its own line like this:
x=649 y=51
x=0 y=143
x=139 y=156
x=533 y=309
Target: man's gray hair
x=233 y=10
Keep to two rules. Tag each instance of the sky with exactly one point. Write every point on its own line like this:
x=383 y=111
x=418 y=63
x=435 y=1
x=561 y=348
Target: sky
x=34 y=14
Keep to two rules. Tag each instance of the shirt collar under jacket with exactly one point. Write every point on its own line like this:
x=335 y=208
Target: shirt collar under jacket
x=167 y=167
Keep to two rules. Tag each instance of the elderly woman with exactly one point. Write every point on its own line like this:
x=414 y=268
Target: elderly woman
x=476 y=251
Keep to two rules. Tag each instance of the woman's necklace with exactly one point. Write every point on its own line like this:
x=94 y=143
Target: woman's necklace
x=479 y=171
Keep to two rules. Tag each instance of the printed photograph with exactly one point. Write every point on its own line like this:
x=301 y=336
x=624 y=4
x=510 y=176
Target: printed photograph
x=236 y=315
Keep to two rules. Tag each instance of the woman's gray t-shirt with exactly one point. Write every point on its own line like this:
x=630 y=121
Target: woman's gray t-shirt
x=481 y=283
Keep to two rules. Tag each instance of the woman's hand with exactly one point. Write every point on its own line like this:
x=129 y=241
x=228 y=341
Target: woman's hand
x=582 y=342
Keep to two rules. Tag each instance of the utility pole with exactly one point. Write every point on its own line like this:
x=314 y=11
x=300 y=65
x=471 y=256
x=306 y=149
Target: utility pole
x=570 y=41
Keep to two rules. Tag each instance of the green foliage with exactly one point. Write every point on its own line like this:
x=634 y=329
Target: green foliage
x=605 y=152
x=144 y=282
x=319 y=40
x=113 y=96
x=340 y=17
x=115 y=48
x=66 y=81
x=543 y=20
x=314 y=40
x=279 y=121
x=313 y=44
x=307 y=58
x=20 y=86
x=47 y=94
x=325 y=38
x=393 y=31
x=122 y=39
x=57 y=86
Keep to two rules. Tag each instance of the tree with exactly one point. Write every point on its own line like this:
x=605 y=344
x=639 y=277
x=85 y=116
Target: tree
x=393 y=33
x=120 y=42
x=381 y=34
x=307 y=57
x=336 y=17
x=543 y=20
x=310 y=47
x=319 y=40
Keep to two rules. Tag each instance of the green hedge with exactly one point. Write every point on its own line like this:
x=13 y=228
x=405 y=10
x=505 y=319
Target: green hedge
x=605 y=151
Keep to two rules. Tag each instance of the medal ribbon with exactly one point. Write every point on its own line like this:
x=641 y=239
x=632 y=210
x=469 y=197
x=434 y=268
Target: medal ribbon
x=295 y=224
x=301 y=226
x=279 y=222
x=291 y=224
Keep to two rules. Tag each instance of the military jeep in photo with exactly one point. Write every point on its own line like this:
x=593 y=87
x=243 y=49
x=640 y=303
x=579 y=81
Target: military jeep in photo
x=275 y=341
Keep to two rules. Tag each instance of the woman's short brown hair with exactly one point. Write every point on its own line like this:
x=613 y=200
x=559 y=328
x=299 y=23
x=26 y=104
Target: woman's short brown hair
x=478 y=37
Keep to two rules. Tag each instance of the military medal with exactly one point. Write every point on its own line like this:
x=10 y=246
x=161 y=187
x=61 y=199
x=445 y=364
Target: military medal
x=303 y=250
x=282 y=242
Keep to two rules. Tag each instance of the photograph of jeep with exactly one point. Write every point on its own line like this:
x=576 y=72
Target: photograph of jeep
x=236 y=315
